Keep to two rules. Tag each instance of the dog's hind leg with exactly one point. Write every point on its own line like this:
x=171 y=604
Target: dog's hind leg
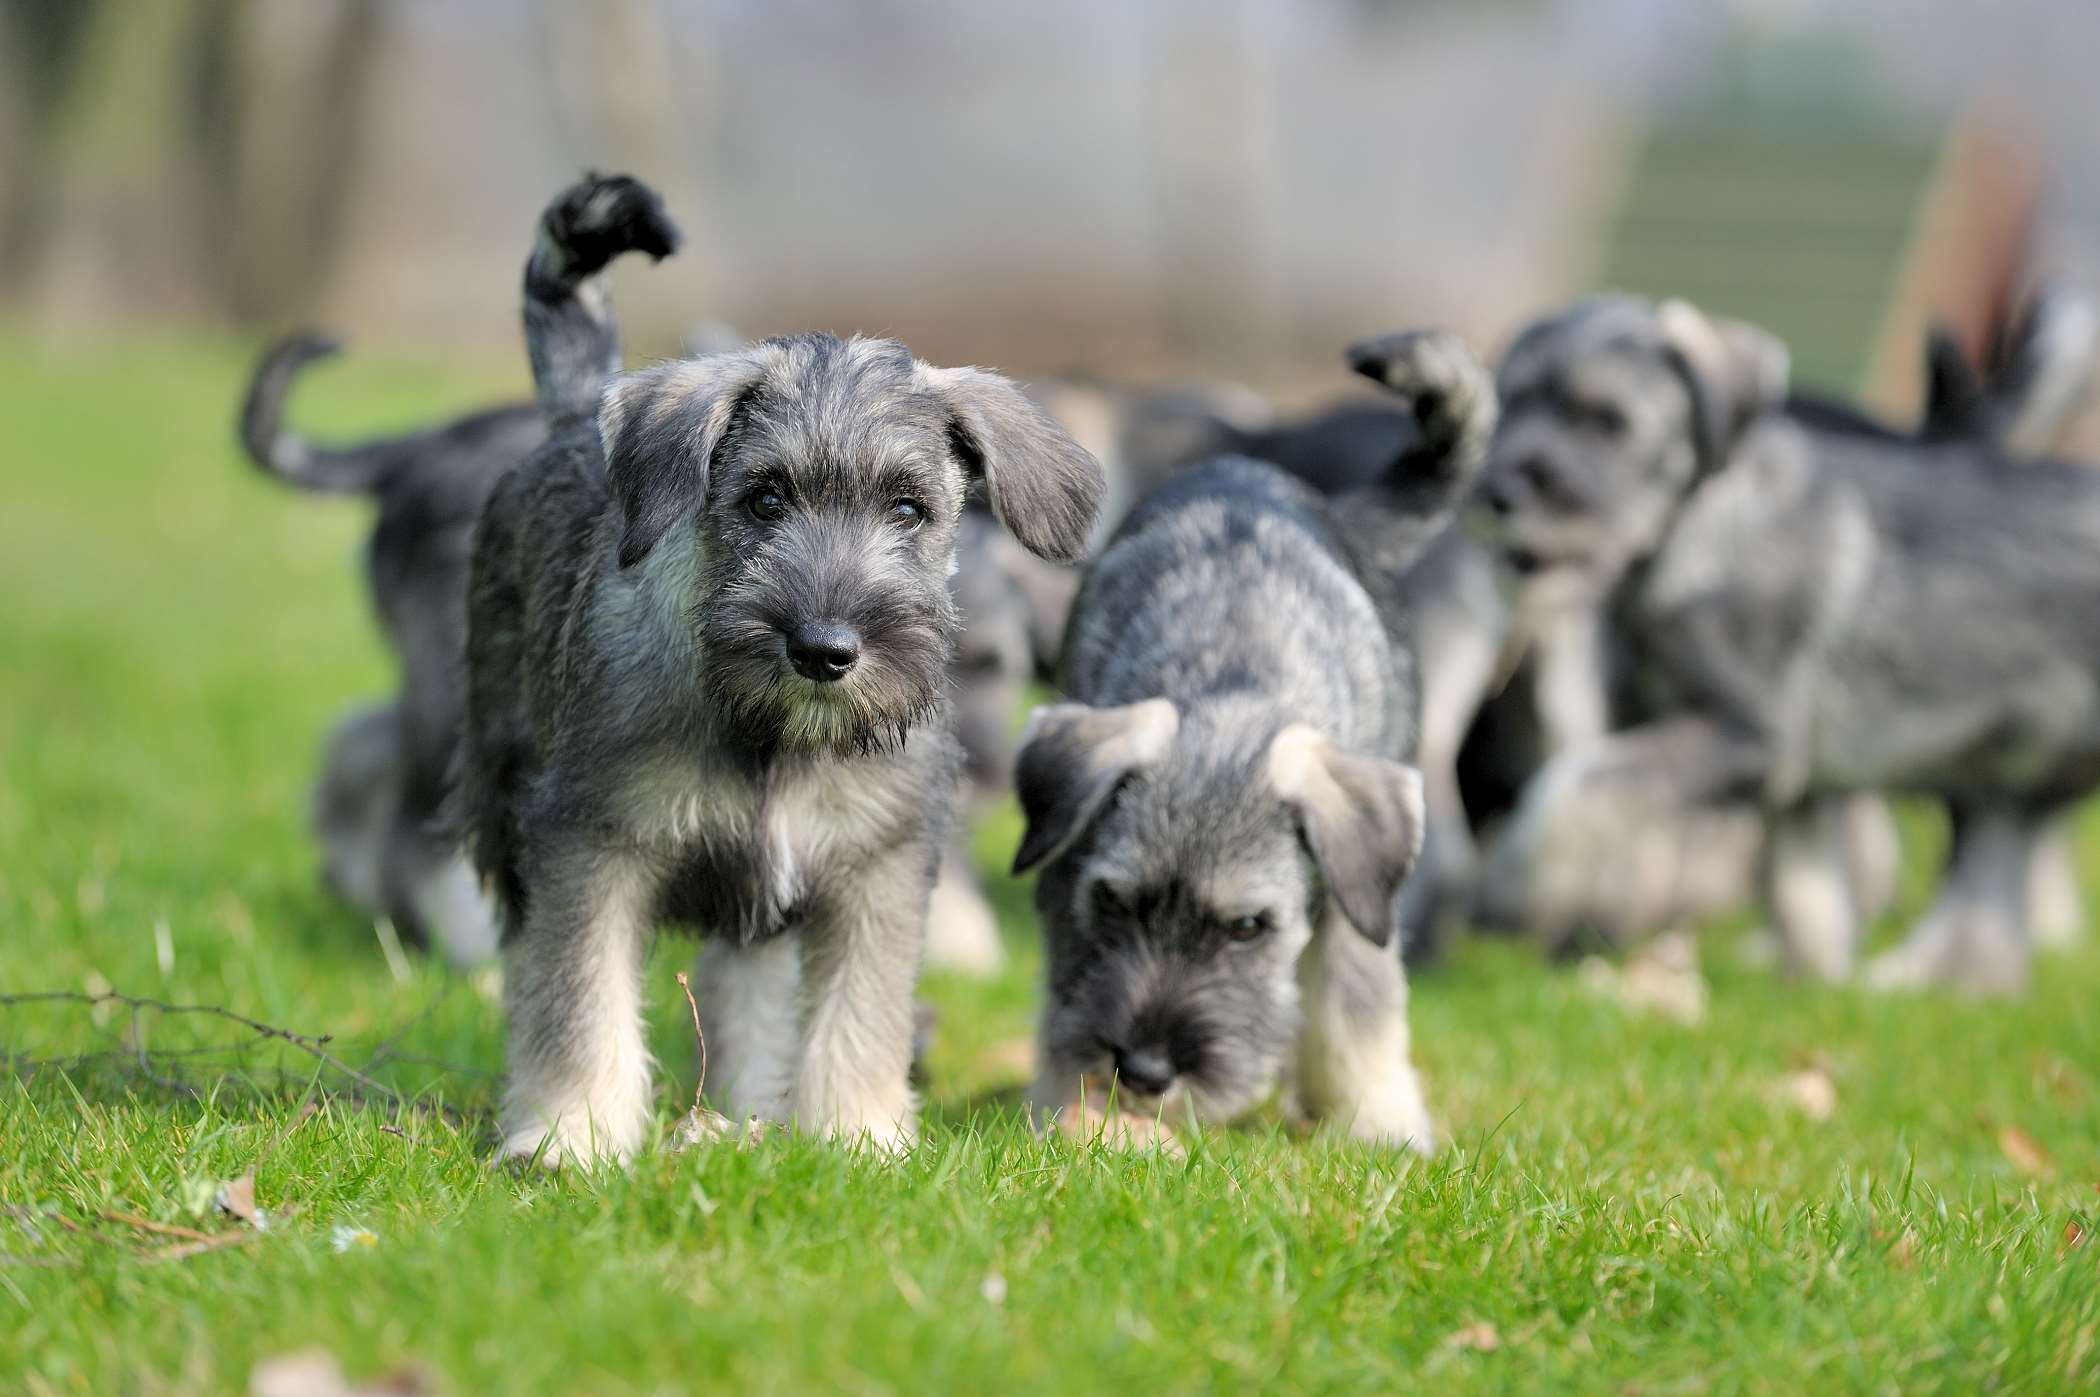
x=579 y=1068
x=1975 y=935
x=748 y=997
x=1354 y=1058
x=353 y=805
x=962 y=932
x=860 y=959
x=1809 y=889
x=2055 y=902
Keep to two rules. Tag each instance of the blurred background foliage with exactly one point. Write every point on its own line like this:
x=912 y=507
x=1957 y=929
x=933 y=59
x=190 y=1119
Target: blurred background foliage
x=1135 y=188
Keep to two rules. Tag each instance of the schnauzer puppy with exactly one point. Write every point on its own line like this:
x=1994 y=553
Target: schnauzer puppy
x=709 y=630
x=378 y=804
x=1225 y=812
x=1815 y=613
x=1446 y=591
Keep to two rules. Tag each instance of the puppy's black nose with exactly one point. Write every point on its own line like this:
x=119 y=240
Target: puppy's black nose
x=823 y=650
x=1148 y=1071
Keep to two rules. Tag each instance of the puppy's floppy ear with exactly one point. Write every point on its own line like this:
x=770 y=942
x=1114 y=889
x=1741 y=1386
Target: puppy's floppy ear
x=1072 y=757
x=1362 y=817
x=660 y=428
x=1043 y=486
x=1732 y=370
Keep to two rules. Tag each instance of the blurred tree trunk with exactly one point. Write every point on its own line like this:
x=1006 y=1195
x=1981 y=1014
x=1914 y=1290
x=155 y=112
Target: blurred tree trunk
x=281 y=104
x=191 y=157
x=40 y=45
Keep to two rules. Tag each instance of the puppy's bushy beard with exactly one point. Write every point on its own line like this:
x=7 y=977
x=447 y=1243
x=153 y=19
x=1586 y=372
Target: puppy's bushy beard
x=1230 y=1040
x=906 y=634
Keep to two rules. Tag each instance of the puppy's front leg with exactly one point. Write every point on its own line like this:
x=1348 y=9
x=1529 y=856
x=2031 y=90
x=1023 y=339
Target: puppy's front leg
x=579 y=1069
x=1354 y=1062
x=860 y=960
x=748 y=1001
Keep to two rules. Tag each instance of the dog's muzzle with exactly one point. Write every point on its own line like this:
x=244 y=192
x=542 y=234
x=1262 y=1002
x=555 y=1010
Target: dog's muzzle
x=823 y=651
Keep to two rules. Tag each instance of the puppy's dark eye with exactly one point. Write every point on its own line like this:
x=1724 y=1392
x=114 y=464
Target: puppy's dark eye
x=908 y=513
x=1251 y=927
x=1108 y=907
x=1606 y=419
x=766 y=504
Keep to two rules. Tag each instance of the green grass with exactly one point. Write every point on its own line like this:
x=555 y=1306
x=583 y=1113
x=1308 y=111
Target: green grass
x=1631 y=1205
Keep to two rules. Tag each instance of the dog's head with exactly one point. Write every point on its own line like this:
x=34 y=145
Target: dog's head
x=1190 y=858
x=1612 y=411
x=800 y=499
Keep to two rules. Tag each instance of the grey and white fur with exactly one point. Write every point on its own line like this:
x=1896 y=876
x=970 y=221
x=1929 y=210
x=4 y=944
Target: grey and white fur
x=709 y=630
x=1225 y=810
x=377 y=807
x=1447 y=592
x=1813 y=613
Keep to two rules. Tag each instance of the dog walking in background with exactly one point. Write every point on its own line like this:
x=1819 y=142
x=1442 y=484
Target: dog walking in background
x=1811 y=614
x=378 y=804
x=708 y=644
x=1224 y=813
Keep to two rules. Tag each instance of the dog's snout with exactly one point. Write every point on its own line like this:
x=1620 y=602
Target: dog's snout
x=823 y=650
x=1148 y=1070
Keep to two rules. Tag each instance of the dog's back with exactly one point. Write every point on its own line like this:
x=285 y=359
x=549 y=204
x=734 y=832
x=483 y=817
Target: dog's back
x=1230 y=578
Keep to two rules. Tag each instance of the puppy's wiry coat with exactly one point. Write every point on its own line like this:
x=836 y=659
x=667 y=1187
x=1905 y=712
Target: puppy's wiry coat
x=1225 y=812
x=708 y=645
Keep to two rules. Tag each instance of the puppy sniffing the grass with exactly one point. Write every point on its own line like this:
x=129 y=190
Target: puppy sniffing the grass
x=1225 y=813
x=709 y=634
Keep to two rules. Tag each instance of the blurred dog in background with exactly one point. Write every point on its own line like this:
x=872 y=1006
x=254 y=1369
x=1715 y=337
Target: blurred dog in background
x=386 y=767
x=1806 y=613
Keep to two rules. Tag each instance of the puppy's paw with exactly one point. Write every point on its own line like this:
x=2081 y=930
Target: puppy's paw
x=1400 y=1131
x=1449 y=390
x=962 y=933
x=597 y=219
x=1120 y=1130
x=890 y=1138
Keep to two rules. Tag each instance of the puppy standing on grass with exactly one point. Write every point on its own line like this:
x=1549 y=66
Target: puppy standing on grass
x=708 y=639
x=1226 y=813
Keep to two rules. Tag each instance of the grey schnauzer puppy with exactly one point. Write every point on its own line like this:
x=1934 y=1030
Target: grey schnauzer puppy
x=1816 y=613
x=709 y=630
x=378 y=804
x=1446 y=594
x=1225 y=812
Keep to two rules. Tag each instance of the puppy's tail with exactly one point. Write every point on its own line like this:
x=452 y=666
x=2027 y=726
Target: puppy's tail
x=1451 y=395
x=570 y=333
x=2039 y=370
x=284 y=453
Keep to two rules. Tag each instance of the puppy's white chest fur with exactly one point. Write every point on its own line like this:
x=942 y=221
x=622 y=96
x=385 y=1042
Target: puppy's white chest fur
x=745 y=853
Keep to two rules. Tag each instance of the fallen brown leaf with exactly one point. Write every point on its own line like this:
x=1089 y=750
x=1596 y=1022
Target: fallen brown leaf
x=1478 y=1337
x=1810 y=1091
x=1015 y=1057
x=2074 y=1235
x=2025 y=1152
x=315 y=1373
x=237 y=1196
